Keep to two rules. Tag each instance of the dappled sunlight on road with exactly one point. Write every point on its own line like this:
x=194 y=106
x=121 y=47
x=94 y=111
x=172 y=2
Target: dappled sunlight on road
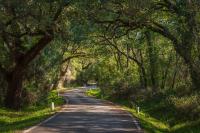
x=83 y=114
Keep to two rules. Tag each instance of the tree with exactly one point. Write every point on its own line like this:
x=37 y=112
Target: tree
x=178 y=21
x=26 y=28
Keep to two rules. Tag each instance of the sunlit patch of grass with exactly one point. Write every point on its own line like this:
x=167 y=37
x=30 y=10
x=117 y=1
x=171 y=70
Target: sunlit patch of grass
x=149 y=123
x=94 y=93
x=12 y=121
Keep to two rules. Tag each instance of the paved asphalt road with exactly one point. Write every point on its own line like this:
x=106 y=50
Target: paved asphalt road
x=88 y=115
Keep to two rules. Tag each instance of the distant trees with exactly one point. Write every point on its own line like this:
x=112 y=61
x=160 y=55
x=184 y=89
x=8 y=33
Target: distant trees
x=177 y=21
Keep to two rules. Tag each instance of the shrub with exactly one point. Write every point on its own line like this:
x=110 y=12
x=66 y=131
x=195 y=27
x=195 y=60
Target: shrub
x=53 y=97
x=28 y=98
x=187 y=106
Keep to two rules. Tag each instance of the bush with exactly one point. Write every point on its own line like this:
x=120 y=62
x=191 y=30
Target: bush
x=187 y=106
x=53 y=97
x=29 y=98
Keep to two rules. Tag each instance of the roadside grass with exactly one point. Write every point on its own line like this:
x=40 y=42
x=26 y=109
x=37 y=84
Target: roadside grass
x=14 y=121
x=187 y=127
x=94 y=93
x=155 y=115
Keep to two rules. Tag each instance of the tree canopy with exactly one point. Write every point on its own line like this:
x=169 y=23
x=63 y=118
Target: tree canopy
x=129 y=47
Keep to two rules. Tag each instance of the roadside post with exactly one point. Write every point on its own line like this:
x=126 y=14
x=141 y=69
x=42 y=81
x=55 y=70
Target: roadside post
x=52 y=106
x=138 y=109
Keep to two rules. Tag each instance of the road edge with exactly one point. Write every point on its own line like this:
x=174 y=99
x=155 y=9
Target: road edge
x=47 y=119
x=135 y=120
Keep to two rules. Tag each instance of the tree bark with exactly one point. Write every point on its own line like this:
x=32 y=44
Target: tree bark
x=166 y=72
x=62 y=76
x=195 y=76
x=14 y=91
x=15 y=76
x=175 y=72
x=152 y=61
x=142 y=71
x=143 y=77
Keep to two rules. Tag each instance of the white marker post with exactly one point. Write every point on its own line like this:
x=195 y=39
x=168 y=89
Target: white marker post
x=138 y=110
x=52 y=106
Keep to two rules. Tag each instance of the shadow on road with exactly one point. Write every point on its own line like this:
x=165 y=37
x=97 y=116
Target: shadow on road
x=88 y=115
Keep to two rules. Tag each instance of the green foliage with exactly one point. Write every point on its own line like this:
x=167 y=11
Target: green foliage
x=94 y=93
x=147 y=51
x=187 y=106
x=53 y=97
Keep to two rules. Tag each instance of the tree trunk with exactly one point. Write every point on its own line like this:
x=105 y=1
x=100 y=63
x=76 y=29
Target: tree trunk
x=152 y=61
x=175 y=72
x=195 y=76
x=127 y=57
x=166 y=72
x=143 y=77
x=142 y=71
x=63 y=73
x=190 y=41
x=14 y=90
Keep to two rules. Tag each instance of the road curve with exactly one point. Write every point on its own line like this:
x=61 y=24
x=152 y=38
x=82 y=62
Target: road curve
x=88 y=115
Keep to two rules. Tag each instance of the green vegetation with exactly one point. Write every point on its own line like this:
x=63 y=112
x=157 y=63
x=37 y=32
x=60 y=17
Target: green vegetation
x=146 y=51
x=13 y=121
x=94 y=93
x=156 y=114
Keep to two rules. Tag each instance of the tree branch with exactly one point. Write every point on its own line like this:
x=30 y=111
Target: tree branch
x=46 y=39
x=124 y=54
x=164 y=31
x=33 y=52
x=75 y=56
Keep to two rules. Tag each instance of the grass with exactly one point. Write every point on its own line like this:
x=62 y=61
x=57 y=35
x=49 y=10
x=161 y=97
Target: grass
x=94 y=93
x=156 y=116
x=13 y=121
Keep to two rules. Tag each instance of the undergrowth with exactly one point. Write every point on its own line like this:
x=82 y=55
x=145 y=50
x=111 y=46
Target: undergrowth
x=160 y=113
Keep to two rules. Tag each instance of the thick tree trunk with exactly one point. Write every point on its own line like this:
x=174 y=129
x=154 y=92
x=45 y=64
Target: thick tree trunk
x=60 y=81
x=195 y=76
x=14 y=90
x=190 y=41
x=193 y=66
x=15 y=77
x=62 y=77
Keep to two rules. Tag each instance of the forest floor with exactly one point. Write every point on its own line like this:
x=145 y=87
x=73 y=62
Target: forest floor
x=155 y=116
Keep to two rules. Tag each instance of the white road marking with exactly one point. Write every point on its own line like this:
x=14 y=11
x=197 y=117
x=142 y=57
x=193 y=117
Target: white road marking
x=36 y=126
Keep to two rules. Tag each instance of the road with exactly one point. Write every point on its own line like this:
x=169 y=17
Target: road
x=84 y=114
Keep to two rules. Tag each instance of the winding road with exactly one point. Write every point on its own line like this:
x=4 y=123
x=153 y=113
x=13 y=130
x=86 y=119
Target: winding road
x=84 y=114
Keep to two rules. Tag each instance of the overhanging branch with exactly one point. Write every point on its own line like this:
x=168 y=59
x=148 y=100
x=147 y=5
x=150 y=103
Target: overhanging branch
x=78 y=55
